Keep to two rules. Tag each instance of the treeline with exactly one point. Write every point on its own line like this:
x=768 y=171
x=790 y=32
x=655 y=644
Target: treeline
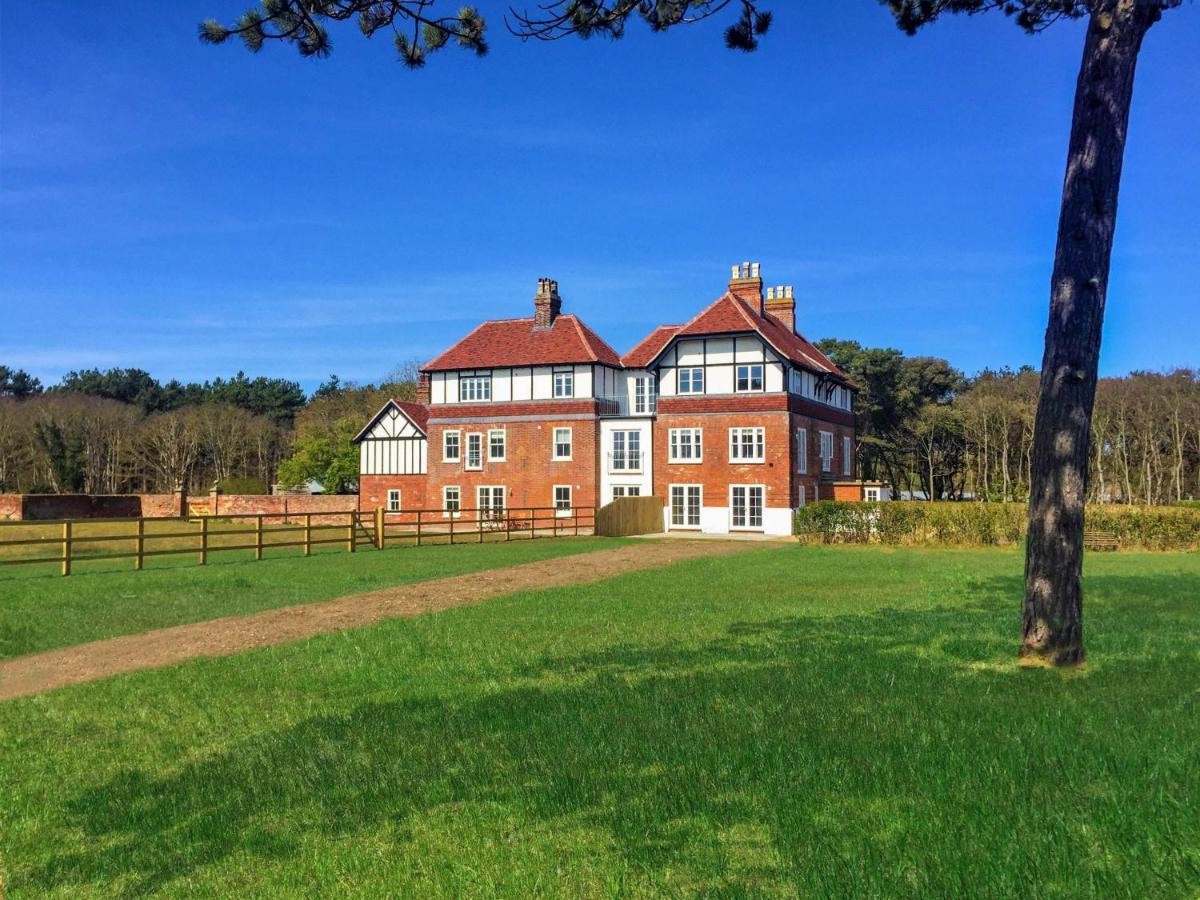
x=926 y=429
x=122 y=431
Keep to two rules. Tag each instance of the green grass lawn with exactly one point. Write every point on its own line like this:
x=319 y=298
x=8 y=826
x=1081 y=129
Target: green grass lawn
x=798 y=721
x=43 y=611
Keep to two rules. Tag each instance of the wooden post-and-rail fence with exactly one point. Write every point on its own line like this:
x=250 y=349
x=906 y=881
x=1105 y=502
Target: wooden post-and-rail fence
x=70 y=541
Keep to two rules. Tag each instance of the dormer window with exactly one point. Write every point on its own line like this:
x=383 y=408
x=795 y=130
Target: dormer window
x=474 y=387
x=749 y=378
x=691 y=381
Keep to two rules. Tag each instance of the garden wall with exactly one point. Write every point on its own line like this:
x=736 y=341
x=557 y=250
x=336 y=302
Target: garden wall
x=34 y=507
x=1136 y=527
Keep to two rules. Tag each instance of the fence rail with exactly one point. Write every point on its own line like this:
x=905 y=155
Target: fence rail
x=66 y=542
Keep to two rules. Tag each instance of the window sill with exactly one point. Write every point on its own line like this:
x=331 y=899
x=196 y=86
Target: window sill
x=685 y=462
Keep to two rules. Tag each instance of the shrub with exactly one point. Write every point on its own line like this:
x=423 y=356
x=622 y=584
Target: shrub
x=832 y=522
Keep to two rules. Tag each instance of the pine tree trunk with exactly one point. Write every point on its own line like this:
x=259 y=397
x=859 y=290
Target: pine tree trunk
x=1051 y=621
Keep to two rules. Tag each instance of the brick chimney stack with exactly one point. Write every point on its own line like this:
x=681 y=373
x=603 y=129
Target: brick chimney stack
x=546 y=304
x=746 y=284
x=781 y=306
x=423 y=389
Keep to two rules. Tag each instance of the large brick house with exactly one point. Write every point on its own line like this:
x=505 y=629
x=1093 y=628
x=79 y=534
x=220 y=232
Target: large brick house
x=733 y=418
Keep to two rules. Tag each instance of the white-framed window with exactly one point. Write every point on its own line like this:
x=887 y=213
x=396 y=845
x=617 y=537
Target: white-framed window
x=685 y=505
x=644 y=398
x=490 y=500
x=871 y=494
x=564 y=384
x=496 y=445
x=800 y=496
x=451 y=446
x=562 y=499
x=847 y=456
x=826 y=451
x=747 y=445
x=626 y=490
x=393 y=500
x=562 y=444
x=474 y=387
x=802 y=451
x=690 y=381
x=746 y=506
x=451 y=501
x=749 y=377
x=626 y=455
x=685 y=445
x=474 y=450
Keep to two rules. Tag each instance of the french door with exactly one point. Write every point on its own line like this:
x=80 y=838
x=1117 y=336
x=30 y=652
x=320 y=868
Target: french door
x=685 y=505
x=491 y=501
x=746 y=506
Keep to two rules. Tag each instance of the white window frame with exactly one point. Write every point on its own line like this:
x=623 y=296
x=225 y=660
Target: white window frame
x=626 y=490
x=393 y=505
x=630 y=458
x=749 y=388
x=458 y=448
x=492 y=432
x=562 y=511
x=847 y=456
x=489 y=506
x=686 y=489
x=758 y=443
x=675 y=445
x=474 y=388
x=800 y=498
x=748 y=526
x=477 y=436
x=564 y=384
x=802 y=451
x=871 y=494
x=692 y=388
x=447 y=512
x=826 y=451
x=554 y=442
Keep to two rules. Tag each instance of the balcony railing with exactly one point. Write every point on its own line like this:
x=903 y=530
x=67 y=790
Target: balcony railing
x=622 y=406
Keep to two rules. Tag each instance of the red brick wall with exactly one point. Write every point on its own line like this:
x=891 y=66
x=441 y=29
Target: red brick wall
x=372 y=492
x=528 y=473
x=817 y=484
x=852 y=492
x=279 y=506
x=10 y=506
x=716 y=472
x=163 y=506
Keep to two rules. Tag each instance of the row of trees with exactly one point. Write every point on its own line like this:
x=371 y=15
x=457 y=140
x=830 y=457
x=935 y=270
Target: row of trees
x=121 y=431
x=926 y=428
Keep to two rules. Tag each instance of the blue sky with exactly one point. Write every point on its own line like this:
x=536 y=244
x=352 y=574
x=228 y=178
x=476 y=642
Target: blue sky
x=196 y=210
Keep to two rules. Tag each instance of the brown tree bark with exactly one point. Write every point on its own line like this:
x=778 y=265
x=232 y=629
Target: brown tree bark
x=1051 y=621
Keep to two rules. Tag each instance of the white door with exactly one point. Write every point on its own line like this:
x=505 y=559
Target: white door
x=746 y=507
x=685 y=505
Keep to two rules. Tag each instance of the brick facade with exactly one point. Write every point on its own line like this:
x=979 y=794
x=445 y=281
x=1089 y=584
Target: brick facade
x=528 y=471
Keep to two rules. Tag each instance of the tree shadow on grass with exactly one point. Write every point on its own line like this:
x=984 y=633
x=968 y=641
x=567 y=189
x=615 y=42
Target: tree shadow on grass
x=871 y=753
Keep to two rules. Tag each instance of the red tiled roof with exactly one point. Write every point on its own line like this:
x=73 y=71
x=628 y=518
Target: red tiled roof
x=650 y=346
x=729 y=314
x=417 y=413
x=514 y=342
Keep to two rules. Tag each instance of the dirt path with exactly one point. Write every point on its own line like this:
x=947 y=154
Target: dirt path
x=53 y=669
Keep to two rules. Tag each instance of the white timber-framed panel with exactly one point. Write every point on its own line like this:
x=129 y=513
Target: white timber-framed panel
x=392 y=444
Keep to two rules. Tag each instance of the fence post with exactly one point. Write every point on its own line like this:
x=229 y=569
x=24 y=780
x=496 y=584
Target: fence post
x=203 y=540
x=258 y=536
x=507 y=528
x=575 y=510
x=308 y=534
x=419 y=527
x=350 y=534
x=452 y=528
x=479 y=523
x=140 y=545
x=554 y=524
x=532 y=523
x=66 y=547
x=379 y=524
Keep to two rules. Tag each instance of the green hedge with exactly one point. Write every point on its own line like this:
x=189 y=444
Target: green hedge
x=832 y=522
